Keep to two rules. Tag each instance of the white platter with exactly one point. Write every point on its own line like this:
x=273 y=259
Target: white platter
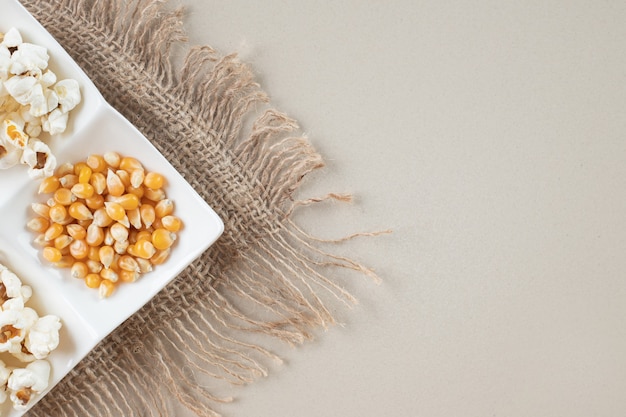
x=95 y=127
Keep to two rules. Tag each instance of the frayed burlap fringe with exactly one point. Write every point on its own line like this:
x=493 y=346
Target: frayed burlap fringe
x=265 y=276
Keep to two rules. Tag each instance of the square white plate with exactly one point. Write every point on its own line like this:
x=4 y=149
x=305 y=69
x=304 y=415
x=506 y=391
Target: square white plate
x=95 y=127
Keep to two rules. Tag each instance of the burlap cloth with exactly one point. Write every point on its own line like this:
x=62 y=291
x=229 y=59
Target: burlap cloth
x=264 y=277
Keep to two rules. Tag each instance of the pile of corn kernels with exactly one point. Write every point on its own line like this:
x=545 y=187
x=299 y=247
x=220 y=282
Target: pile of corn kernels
x=108 y=220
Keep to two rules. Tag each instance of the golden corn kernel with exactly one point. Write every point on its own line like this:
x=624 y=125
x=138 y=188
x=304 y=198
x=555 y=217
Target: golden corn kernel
x=43 y=210
x=142 y=249
x=106 y=255
x=79 y=211
x=108 y=239
x=143 y=235
x=64 y=169
x=138 y=191
x=121 y=246
x=124 y=220
x=38 y=224
x=94 y=267
x=51 y=254
x=79 y=249
x=106 y=288
x=163 y=239
x=144 y=265
x=154 y=194
x=112 y=159
x=147 y=214
x=159 y=257
x=127 y=201
x=83 y=190
x=171 y=223
x=93 y=280
x=115 y=187
x=154 y=180
x=128 y=276
x=76 y=231
x=96 y=163
x=110 y=274
x=101 y=218
x=164 y=207
x=95 y=202
x=62 y=241
x=137 y=177
x=53 y=231
x=79 y=166
x=129 y=164
x=79 y=270
x=134 y=217
x=94 y=253
x=66 y=261
x=128 y=263
x=119 y=232
x=68 y=180
x=99 y=182
x=57 y=213
x=84 y=175
x=114 y=210
x=64 y=196
x=124 y=177
x=49 y=185
x=95 y=235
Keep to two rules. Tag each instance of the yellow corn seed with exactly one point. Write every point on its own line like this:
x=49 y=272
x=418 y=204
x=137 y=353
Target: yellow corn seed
x=106 y=288
x=121 y=246
x=95 y=202
x=43 y=210
x=66 y=261
x=38 y=224
x=57 y=213
x=84 y=175
x=51 y=254
x=108 y=239
x=110 y=274
x=79 y=249
x=138 y=191
x=142 y=249
x=144 y=265
x=143 y=235
x=134 y=217
x=115 y=187
x=112 y=159
x=94 y=253
x=164 y=207
x=83 y=190
x=78 y=167
x=95 y=235
x=101 y=218
x=163 y=239
x=64 y=196
x=49 y=185
x=137 y=177
x=76 y=231
x=159 y=257
x=128 y=263
x=147 y=214
x=129 y=164
x=171 y=223
x=106 y=255
x=154 y=180
x=93 y=280
x=124 y=176
x=80 y=211
x=128 y=276
x=94 y=267
x=79 y=270
x=53 y=231
x=119 y=232
x=96 y=163
x=99 y=182
x=128 y=201
x=62 y=241
x=68 y=180
x=114 y=210
x=154 y=194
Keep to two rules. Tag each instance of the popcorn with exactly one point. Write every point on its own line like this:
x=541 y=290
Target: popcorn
x=43 y=336
x=32 y=102
x=23 y=383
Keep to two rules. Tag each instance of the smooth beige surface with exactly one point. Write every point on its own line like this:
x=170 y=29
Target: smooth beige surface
x=491 y=137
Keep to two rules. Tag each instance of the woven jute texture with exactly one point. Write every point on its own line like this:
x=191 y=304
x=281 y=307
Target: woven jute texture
x=264 y=279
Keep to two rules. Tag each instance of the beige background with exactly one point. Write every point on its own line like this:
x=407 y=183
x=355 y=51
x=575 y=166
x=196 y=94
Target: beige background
x=491 y=137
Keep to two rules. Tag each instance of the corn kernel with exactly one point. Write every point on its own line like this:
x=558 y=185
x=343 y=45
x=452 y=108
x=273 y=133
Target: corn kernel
x=134 y=217
x=78 y=167
x=79 y=270
x=129 y=164
x=115 y=187
x=84 y=175
x=108 y=238
x=79 y=211
x=124 y=177
x=57 y=213
x=96 y=163
x=114 y=210
x=154 y=180
x=121 y=246
x=137 y=177
x=95 y=235
x=127 y=201
x=128 y=276
x=144 y=265
x=171 y=223
x=101 y=218
x=94 y=267
x=79 y=249
x=38 y=224
x=106 y=256
x=66 y=261
x=112 y=159
x=164 y=207
x=64 y=196
x=147 y=214
x=154 y=194
x=106 y=288
x=64 y=169
x=143 y=235
x=99 y=182
x=95 y=202
x=142 y=249
x=76 y=231
x=43 y=210
x=83 y=190
x=138 y=191
x=51 y=254
x=68 y=180
x=93 y=280
x=119 y=232
x=53 y=231
x=94 y=254
x=110 y=274
x=40 y=240
x=62 y=241
x=159 y=257
x=128 y=263
x=49 y=185
x=163 y=239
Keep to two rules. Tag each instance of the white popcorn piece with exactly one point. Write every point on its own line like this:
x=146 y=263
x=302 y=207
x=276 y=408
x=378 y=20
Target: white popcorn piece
x=37 y=155
x=29 y=57
x=38 y=101
x=12 y=132
x=14 y=325
x=56 y=122
x=5 y=372
x=5 y=63
x=48 y=78
x=68 y=92
x=25 y=384
x=43 y=336
x=9 y=154
x=20 y=87
x=12 y=38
